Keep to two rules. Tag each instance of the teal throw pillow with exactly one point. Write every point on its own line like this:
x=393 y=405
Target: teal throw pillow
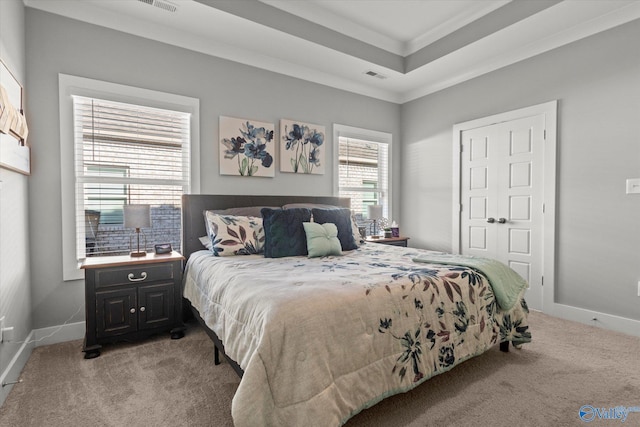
x=322 y=239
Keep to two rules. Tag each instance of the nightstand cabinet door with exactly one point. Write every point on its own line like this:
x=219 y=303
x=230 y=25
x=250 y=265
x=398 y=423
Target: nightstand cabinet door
x=116 y=312
x=156 y=307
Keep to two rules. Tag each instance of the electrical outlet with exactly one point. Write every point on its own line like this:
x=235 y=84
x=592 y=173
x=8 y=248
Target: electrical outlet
x=1 y=328
x=633 y=186
x=7 y=334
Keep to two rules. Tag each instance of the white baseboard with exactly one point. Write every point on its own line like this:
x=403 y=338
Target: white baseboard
x=594 y=318
x=12 y=373
x=61 y=333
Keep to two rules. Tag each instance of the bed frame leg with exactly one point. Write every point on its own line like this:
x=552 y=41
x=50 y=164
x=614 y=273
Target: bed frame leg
x=504 y=346
x=216 y=355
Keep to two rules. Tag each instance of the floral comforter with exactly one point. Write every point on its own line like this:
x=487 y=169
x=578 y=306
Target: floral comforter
x=321 y=339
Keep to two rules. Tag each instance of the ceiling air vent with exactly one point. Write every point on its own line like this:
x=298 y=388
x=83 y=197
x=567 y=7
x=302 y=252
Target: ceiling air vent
x=162 y=4
x=371 y=73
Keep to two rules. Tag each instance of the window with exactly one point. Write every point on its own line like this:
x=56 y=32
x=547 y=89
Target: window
x=118 y=149
x=128 y=154
x=363 y=159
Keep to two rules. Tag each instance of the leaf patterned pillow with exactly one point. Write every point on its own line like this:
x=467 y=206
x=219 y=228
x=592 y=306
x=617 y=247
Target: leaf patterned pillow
x=235 y=235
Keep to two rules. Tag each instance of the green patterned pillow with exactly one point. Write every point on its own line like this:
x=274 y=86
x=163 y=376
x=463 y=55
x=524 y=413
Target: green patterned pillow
x=235 y=235
x=322 y=239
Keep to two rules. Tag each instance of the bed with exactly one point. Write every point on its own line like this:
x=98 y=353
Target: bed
x=317 y=340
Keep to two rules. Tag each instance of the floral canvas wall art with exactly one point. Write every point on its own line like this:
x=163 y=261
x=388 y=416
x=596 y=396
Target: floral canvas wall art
x=302 y=147
x=246 y=147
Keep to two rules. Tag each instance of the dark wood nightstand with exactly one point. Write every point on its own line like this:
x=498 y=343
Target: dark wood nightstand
x=393 y=241
x=130 y=298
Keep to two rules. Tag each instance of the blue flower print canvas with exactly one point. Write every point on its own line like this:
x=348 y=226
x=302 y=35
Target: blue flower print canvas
x=246 y=147
x=302 y=147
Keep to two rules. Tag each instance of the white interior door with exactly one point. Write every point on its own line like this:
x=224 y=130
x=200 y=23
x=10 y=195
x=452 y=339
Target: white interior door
x=502 y=197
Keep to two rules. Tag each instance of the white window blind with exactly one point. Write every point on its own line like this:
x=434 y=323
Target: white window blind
x=363 y=174
x=127 y=154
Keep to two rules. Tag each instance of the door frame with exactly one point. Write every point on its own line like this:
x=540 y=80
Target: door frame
x=549 y=110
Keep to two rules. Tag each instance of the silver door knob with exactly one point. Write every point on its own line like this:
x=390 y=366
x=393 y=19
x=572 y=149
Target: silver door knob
x=142 y=308
x=491 y=220
x=502 y=220
x=133 y=310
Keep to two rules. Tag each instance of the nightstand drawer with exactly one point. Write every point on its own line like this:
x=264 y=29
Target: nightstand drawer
x=132 y=275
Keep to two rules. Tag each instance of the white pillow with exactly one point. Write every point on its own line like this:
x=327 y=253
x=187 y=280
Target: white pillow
x=206 y=242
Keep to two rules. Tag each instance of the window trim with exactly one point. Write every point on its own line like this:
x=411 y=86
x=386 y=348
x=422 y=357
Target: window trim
x=345 y=131
x=69 y=85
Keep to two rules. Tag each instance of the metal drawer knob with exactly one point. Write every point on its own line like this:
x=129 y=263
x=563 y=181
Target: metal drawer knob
x=133 y=310
x=142 y=308
x=132 y=277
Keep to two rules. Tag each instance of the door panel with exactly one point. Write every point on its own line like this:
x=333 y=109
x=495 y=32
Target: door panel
x=113 y=312
x=478 y=238
x=156 y=305
x=478 y=149
x=519 y=242
x=522 y=268
x=477 y=207
x=520 y=175
x=478 y=180
x=521 y=141
x=520 y=208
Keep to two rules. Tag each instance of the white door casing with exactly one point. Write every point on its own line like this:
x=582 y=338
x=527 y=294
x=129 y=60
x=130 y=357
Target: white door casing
x=503 y=171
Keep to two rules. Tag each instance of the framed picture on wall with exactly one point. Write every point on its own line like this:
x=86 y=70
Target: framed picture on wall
x=14 y=151
x=246 y=147
x=302 y=147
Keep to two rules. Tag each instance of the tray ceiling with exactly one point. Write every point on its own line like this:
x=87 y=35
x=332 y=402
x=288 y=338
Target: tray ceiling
x=394 y=50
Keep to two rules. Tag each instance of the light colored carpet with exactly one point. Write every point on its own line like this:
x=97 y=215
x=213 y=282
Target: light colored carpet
x=164 y=382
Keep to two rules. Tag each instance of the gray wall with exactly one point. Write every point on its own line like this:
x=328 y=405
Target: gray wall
x=597 y=83
x=60 y=45
x=15 y=295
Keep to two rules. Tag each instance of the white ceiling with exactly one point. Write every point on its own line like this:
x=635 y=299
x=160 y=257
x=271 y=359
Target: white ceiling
x=419 y=46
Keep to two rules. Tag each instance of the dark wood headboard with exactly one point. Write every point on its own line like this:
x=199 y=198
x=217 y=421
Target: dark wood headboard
x=193 y=206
